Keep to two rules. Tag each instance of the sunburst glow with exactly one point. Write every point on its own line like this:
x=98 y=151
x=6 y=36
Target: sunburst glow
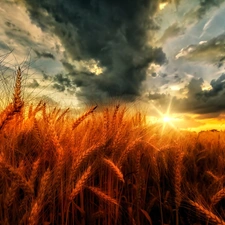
x=167 y=119
x=162 y=5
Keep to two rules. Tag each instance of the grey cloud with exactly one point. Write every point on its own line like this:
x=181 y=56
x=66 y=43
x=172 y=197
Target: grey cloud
x=197 y=101
x=44 y=55
x=33 y=84
x=59 y=87
x=112 y=32
x=172 y=31
x=205 y=5
x=211 y=51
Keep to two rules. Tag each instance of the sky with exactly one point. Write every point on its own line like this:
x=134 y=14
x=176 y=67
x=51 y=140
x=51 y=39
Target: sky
x=165 y=55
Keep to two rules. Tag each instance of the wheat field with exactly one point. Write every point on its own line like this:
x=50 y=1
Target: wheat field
x=105 y=167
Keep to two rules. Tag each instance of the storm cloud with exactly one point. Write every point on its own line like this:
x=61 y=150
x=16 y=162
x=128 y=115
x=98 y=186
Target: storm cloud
x=114 y=33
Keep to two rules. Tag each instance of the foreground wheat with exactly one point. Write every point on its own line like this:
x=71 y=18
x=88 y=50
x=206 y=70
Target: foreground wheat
x=104 y=167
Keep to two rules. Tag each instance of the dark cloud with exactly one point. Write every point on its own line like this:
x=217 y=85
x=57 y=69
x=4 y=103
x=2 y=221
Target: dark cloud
x=211 y=51
x=13 y=28
x=205 y=5
x=4 y=46
x=70 y=68
x=44 y=55
x=114 y=33
x=33 y=84
x=197 y=101
x=61 y=82
x=59 y=87
x=154 y=74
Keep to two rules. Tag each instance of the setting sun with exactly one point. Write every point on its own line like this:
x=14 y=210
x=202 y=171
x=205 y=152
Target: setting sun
x=167 y=119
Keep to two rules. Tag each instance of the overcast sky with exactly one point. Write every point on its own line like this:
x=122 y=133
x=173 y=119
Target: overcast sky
x=91 y=51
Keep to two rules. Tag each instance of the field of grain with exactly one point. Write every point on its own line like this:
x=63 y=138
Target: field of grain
x=105 y=167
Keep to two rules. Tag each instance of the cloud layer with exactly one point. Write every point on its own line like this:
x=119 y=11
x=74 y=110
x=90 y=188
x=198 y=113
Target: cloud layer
x=113 y=33
x=197 y=101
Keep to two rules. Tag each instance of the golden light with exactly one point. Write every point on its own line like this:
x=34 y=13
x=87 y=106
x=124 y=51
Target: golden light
x=162 y=5
x=167 y=119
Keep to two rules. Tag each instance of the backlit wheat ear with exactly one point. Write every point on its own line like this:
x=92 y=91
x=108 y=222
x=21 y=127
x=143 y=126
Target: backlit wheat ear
x=114 y=168
x=63 y=114
x=178 y=176
x=15 y=176
x=80 y=119
x=17 y=100
x=177 y=181
x=7 y=115
x=80 y=183
x=103 y=196
x=208 y=214
x=34 y=173
x=128 y=149
x=218 y=196
x=38 y=203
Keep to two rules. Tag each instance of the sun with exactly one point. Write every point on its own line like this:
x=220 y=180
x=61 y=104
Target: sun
x=167 y=119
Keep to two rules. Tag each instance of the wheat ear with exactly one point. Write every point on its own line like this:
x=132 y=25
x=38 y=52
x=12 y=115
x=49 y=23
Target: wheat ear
x=208 y=214
x=218 y=196
x=17 y=100
x=103 y=196
x=114 y=168
x=15 y=176
x=129 y=148
x=38 y=203
x=80 y=183
x=177 y=181
x=80 y=119
x=7 y=115
x=83 y=159
x=178 y=177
